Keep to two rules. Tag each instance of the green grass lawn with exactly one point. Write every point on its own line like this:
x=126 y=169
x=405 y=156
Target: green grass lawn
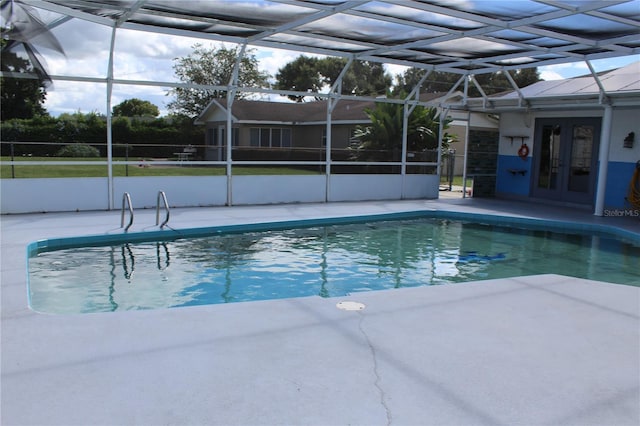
x=53 y=170
x=457 y=181
x=59 y=171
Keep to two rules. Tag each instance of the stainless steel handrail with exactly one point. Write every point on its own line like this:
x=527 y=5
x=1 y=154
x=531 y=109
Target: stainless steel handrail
x=162 y=195
x=126 y=199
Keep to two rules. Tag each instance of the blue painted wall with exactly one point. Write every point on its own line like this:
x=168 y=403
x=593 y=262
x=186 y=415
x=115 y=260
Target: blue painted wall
x=513 y=183
x=618 y=178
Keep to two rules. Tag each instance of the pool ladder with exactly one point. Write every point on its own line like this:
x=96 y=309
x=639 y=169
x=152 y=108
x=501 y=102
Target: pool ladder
x=162 y=196
x=126 y=201
x=126 y=204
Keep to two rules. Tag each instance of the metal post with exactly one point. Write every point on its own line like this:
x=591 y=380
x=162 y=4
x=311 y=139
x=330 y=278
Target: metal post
x=405 y=135
x=466 y=155
x=231 y=94
x=109 y=122
x=603 y=158
x=331 y=104
x=443 y=116
x=13 y=170
x=327 y=147
x=451 y=167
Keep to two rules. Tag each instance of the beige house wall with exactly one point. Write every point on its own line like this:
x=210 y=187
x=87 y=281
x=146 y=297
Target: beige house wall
x=302 y=136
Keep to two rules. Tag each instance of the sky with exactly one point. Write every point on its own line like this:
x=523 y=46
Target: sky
x=150 y=57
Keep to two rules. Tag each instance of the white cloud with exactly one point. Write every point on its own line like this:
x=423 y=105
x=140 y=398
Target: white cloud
x=395 y=69
x=149 y=56
x=549 y=75
x=154 y=46
x=560 y=71
x=575 y=69
x=71 y=96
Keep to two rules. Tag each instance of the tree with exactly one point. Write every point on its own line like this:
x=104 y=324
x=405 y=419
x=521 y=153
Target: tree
x=135 y=108
x=491 y=83
x=212 y=67
x=385 y=131
x=301 y=75
x=304 y=74
x=363 y=78
x=436 y=82
x=21 y=97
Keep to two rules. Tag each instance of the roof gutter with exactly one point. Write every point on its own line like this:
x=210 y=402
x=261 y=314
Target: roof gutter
x=590 y=101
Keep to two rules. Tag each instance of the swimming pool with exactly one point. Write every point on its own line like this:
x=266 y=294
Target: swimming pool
x=328 y=258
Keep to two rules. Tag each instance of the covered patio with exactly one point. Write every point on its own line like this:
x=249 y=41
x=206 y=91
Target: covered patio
x=537 y=349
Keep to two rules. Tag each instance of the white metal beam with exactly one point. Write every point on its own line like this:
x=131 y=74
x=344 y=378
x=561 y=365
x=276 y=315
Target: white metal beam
x=603 y=92
x=603 y=160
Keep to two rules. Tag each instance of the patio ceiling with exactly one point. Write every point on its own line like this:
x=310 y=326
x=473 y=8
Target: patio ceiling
x=457 y=36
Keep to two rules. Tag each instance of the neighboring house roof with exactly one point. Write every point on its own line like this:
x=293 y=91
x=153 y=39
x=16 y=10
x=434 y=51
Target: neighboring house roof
x=243 y=110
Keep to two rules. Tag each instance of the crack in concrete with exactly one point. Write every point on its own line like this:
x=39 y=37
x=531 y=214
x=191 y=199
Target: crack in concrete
x=376 y=383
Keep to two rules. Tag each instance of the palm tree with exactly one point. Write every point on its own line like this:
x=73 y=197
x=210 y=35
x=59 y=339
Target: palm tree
x=384 y=135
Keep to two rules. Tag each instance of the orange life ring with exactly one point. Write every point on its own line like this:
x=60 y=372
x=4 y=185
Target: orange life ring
x=523 y=152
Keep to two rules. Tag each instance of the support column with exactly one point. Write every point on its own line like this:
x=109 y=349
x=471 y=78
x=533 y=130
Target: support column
x=110 y=189
x=327 y=145
x=603 y=159
x=334 y=97
x=405 y=135
x=466 y=155
x=232 y=88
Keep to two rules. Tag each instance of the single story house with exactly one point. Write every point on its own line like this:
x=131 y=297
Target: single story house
x=285 y=125
x=570 y=141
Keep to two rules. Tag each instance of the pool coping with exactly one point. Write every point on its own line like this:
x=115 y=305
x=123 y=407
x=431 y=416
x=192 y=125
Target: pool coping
x=612 y=231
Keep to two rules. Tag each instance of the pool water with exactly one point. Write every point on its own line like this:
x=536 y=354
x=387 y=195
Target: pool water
x=328 y=261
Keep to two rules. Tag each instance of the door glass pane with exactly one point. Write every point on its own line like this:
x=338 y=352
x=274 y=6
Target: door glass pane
x=581 y=154
x=548 y=176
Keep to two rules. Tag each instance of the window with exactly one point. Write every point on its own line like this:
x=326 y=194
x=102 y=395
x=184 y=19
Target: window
x=267 y=137
x=276 y=140
x=286 y=138
x=254 y=137
x=218 y=136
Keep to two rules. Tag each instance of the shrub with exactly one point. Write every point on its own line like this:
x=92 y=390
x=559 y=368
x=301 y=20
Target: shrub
x=79 y=150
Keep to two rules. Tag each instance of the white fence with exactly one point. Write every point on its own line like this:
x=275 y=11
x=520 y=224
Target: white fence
x=83 y=194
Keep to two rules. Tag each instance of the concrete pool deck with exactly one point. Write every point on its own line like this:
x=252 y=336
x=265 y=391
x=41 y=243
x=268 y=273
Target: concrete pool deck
x=534 y=350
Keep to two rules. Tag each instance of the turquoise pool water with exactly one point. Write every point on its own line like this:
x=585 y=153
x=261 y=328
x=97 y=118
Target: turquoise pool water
x=328 y=260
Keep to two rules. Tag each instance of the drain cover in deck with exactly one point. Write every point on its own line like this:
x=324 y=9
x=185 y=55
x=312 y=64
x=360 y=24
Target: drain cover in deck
x=350 y=306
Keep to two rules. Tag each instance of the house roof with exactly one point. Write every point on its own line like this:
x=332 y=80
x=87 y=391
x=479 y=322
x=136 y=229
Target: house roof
x=625 y=79
x=346 y=110
x=620 y=87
